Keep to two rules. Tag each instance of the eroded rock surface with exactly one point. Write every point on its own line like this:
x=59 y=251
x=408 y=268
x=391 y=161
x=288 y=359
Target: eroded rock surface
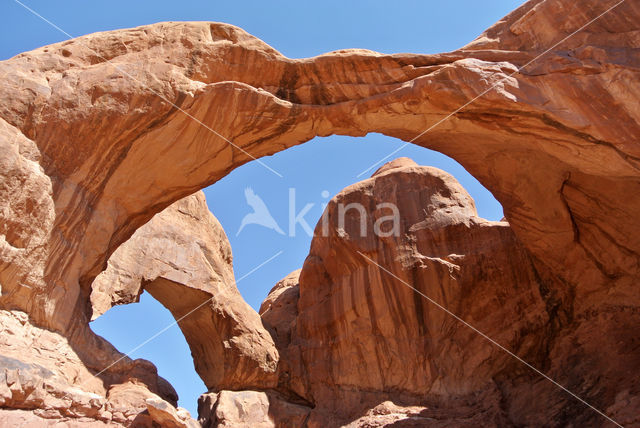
x=52 y=382
x=353 y=333
x=259 y=409
x=167 y=416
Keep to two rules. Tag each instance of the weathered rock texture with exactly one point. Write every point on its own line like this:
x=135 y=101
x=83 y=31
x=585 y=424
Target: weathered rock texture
x=353 y=335
x=257 y=409
x=363 y=347
x=51 y=381
x=182 y=257
x=167 y=416
x=97 y=135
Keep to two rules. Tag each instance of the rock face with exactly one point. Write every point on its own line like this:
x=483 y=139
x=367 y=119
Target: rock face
x=354 y=334
x=280 y=308
x=93 y=145
x=51 y=381
x=182 y=257
x=364 y=334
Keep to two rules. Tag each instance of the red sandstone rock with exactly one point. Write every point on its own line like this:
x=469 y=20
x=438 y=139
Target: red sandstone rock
x=250 y=409
x=353 y=335
x=358 y=336
x=396 y=163
x=557 y=164
x=27 y=419
x=555 y=141
x=43 y=372
x=280 y=309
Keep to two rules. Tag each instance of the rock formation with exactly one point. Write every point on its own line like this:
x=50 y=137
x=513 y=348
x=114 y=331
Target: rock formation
x=259 y=409
x=365 y=338
x=100 y=133
x=353 y=335
x=50 y=378
x=182 y=257
x=165 y=415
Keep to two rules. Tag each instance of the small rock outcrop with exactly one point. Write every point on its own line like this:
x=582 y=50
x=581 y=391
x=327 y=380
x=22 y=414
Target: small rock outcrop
x=260 y=409
x=167 y=416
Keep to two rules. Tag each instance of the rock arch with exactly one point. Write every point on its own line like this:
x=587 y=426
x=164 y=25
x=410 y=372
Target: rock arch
x=99 y=114
x=100 y=132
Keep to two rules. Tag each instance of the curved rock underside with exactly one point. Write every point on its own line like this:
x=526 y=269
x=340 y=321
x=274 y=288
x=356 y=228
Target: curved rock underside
x=98 y=135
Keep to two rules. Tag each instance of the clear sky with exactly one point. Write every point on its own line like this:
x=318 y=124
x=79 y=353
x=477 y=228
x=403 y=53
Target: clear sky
x=297 y=29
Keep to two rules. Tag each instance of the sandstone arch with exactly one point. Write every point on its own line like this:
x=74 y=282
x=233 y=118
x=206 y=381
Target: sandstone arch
x=116 y=153
x=100 y=152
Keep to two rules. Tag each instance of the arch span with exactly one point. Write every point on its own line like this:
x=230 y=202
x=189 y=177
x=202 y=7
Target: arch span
x=124 y=123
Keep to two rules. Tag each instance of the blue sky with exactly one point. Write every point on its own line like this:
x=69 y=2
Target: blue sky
x=297 y=29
